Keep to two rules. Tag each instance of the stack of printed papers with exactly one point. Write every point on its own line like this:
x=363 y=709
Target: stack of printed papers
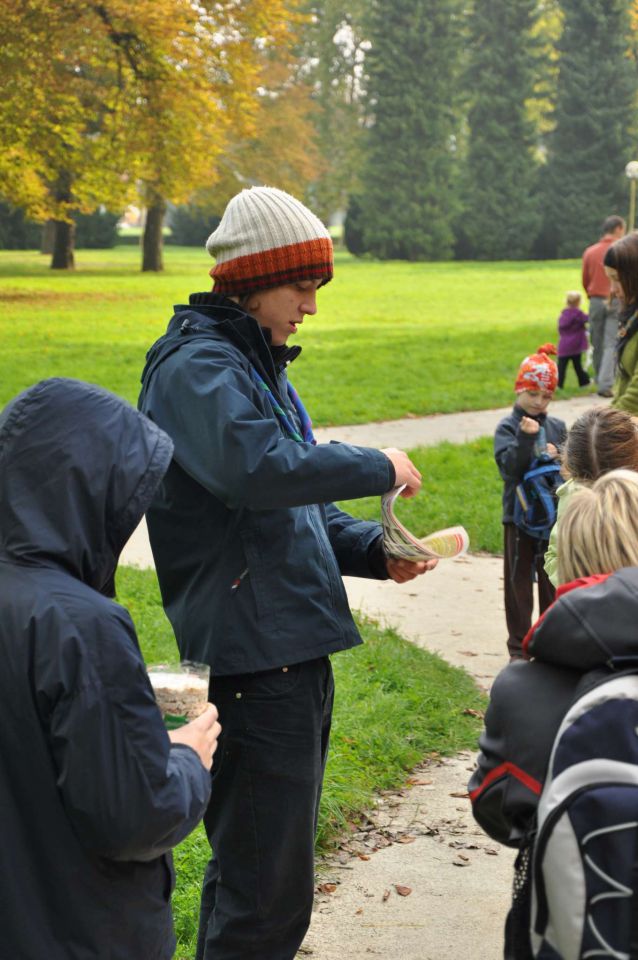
x=402 y=545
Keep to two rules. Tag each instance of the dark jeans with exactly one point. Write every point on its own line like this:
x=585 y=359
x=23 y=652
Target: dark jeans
x=523 y=564
x=583 y=378
x=262 y=817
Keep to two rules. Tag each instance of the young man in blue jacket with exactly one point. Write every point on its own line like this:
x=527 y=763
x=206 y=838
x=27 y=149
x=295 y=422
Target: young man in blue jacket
x=250 y=552
x=93 y=791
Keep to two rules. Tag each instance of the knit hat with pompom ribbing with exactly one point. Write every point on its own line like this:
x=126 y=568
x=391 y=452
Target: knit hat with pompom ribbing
x=538 y=372
x=267 y=238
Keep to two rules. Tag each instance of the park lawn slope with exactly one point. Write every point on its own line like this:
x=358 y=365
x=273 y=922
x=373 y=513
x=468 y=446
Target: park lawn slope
x=390 y=339
x=395 y=704
x=461 y=484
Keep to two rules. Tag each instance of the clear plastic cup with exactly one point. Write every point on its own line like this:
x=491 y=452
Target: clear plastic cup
x=181 y=690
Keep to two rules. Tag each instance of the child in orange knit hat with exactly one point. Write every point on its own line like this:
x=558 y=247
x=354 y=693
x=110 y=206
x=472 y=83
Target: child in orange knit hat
x=526 y=433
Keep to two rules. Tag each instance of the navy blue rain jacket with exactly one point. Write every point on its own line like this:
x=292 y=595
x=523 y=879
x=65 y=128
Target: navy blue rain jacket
x=92 y=794
x=248 y=546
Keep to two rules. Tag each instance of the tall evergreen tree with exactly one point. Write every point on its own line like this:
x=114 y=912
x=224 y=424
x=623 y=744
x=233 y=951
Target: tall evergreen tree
x=500 y=219
x=583 y=181
x=334 y=50
x=406 y=202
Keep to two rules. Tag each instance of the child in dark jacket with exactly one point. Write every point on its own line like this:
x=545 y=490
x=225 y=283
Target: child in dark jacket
x=94 y=792
x=591 y=625
x=520 y=437
x=572 y=339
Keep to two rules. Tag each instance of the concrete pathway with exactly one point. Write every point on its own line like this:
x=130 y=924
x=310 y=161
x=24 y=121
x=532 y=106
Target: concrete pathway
x=460 y=880
x=456 y=427
x=420 y=881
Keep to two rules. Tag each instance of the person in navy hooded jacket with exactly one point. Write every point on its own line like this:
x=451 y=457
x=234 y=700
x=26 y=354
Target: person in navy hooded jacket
x=250 y=551
x=93 y=791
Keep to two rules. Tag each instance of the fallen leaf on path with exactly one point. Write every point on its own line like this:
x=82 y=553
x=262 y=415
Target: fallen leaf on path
x=415 y=782
x=468 y=653
x=386 y=894
x=462 y=856
x=402 y=891
x=460 y=863
x=491 y=852
x=358 y=912
x=460 y=793
x=363 y=856
x=327 y=887
x=406 y=839
x=469 y=712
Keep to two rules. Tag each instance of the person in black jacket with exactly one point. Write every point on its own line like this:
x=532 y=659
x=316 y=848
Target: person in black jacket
x=250 y=551
x=93 y=793
x=590 y=626
x=520 y=437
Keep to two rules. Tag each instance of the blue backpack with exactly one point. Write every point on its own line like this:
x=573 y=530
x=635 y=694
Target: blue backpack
x=585 y=854
x=535 y=502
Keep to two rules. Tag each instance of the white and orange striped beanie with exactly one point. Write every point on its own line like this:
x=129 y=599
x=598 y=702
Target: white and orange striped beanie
x=267 y=238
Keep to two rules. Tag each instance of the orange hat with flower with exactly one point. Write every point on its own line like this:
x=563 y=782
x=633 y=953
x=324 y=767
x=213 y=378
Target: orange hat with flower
x=538 y=371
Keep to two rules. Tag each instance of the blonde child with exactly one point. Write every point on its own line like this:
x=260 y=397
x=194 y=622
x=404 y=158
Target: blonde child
x=602 y=439
x=590 y=627
x=572 y=339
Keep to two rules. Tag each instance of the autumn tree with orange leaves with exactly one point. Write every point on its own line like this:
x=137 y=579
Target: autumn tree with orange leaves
x=100 y=99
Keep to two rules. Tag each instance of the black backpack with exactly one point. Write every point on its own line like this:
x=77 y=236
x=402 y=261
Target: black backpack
x=585 y=855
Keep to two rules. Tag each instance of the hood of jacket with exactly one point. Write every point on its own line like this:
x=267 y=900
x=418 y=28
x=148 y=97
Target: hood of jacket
x=210 y=315
x=78 y=469
x=591 y=624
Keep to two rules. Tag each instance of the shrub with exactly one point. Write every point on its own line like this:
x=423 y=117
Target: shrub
x=191 y=225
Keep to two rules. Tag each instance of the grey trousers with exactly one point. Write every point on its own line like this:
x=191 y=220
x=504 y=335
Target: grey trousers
x=603 y=327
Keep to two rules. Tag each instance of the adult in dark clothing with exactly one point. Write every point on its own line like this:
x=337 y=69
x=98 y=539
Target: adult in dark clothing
x=250 y=553
x=93 y=793
x=524 y=434
x=572 y=646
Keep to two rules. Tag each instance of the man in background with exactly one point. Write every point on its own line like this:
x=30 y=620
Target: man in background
x=603 y=313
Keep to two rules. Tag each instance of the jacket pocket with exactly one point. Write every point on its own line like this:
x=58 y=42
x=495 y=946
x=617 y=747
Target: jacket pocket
x=270 y=684
x=256 y=578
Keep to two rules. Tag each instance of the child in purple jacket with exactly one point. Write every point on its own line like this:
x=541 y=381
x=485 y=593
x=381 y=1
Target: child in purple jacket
x=572 y=339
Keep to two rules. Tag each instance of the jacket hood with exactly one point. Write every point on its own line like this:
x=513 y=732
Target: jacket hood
x=591 y=624
x=78 y=469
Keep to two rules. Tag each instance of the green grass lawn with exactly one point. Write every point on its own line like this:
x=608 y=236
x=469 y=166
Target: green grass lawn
x=395 y=703
x=461 y=484
x=389 y=339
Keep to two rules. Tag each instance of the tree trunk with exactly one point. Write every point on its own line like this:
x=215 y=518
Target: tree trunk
x=63 y=245
x=48 y=236
x=152 y=240
x=63 y=231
